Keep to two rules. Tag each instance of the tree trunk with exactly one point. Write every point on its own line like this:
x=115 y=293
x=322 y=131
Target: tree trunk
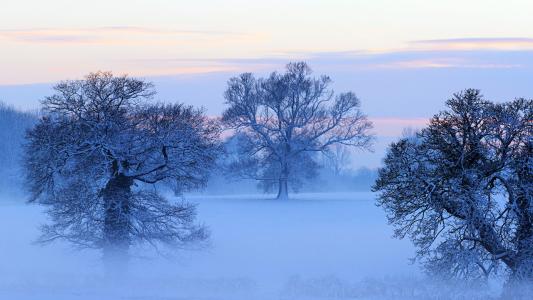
x=523 y=268
x=283 y=191
x=116 y=197
x=523 y=271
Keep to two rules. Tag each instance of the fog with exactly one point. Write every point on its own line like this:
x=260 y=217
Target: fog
x=317 y=246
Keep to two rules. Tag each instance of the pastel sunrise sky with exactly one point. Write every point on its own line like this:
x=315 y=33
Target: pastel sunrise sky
x=402 y=58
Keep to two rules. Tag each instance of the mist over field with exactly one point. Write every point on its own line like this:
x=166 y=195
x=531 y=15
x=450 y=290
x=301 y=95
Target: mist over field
x=319 y=246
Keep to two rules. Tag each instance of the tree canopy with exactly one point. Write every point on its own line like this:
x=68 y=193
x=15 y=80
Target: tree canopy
x=98 y=155
x=461 y=188
x=283 y=120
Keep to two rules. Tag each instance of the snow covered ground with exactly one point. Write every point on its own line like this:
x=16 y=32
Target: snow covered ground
x=314 y=246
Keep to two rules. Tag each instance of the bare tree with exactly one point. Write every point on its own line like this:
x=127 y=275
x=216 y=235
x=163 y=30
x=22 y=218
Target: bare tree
x=338 y=159
x=285 y=119
x=462 y=188
x=96 y=155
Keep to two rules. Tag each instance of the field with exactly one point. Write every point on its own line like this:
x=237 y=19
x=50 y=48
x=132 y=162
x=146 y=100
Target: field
x=314 y=246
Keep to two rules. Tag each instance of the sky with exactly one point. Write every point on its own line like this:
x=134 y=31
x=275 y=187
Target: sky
x=44 y=41
x=402 y=58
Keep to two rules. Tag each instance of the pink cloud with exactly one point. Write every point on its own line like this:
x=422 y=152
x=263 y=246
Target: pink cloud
x=467 y=44
x=441 y=63
x=393 y=126
x=112 y=35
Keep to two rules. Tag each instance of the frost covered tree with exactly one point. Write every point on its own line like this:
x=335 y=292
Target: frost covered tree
x=284 y=120
x=461 y=188
x=97 y=155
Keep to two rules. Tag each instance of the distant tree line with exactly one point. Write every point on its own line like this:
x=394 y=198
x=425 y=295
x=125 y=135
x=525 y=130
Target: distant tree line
x=13 y=126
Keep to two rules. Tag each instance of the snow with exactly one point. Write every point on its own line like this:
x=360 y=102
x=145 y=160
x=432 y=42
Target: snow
x=313 y=246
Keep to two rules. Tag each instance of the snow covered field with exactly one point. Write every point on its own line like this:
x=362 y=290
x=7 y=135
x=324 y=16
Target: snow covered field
x=314 y=246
